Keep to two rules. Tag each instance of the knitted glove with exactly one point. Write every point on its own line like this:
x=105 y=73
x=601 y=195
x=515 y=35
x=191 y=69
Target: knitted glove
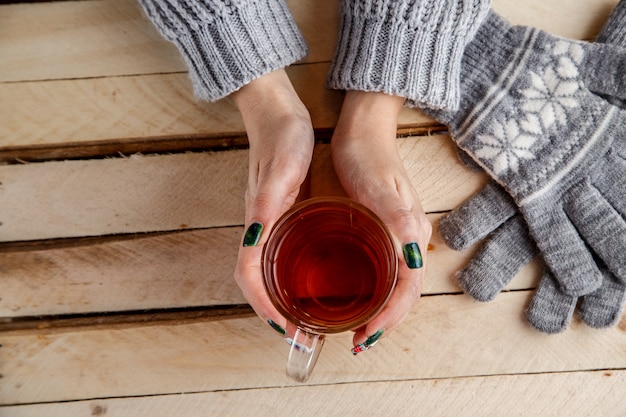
x=506 y=249
x=508 y=246
x=529 y=117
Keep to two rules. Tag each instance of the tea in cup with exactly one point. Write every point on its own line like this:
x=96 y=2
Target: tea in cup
x=329 y=266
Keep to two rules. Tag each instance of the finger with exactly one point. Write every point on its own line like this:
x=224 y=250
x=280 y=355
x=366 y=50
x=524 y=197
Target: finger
x=563 y=249
x=600 y=225
x=406 y=294
x=550 y=310
x=504 y=253
x=264 y=207
x=611 y=180
x=467 y=160
x=401 y=212
x=612 y=31
x=271 y=197
x=477 y=217
x=603 y=76
x=603 y=307
x=249 y=278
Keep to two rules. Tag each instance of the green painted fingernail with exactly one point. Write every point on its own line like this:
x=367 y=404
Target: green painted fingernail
x=413 y=255
x=276 y=327
x=253 y=234
x=369 y=343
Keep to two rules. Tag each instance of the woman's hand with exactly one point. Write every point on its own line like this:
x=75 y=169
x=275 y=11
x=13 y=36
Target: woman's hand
x=281 y=140
x=366 y=160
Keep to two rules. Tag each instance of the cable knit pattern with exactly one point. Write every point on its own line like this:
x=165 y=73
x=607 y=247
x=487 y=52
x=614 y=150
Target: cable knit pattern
x=409 y=48
x=228 y=43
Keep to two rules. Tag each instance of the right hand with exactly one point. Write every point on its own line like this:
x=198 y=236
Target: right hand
x=365 y=156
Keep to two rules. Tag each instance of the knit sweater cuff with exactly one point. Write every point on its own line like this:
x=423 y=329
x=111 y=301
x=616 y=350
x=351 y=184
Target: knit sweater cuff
x=227 y=46
x=416 y=54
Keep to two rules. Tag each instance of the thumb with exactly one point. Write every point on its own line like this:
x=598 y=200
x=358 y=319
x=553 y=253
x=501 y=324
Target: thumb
x=263 y=209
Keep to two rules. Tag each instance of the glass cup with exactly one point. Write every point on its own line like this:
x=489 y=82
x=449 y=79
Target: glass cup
x=329 y=266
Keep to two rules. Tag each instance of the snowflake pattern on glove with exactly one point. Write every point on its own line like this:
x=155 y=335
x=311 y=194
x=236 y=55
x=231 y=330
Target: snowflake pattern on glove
x=546 y=101
x=506 y=146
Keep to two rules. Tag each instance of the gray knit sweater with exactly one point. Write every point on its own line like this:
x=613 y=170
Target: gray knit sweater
x=409 y=48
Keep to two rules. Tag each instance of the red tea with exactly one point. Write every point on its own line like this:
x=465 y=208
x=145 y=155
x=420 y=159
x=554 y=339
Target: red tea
x=332 y=265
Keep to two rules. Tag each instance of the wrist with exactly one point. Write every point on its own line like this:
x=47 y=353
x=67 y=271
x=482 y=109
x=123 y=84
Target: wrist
x=368 y=114
x=269 y=102
x=270 y=92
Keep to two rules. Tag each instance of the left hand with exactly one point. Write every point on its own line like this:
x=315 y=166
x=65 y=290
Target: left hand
x=281 y=140
x=367 y=163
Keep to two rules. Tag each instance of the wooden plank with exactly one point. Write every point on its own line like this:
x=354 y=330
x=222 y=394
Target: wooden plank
x=166 y=271
x=103 y=38
x=171 y=192
x=174 y=270
x=598 y=393
x=444 y=337
x=64 y=40
x=131 y=108
x=141 y=111
x=579 y=19
x=61 y=40
x=122 y=195
x=108 y=109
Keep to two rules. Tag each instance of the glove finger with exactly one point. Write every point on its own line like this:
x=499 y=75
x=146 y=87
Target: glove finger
x=612 y=31
x=504 y=253
x=619 y=102
x=550 y=310
x=477 y=217
x=602 y=75
x=563 y=250
x=603 y=307
x=467 y=160
x=612 y=182
x=601 y=226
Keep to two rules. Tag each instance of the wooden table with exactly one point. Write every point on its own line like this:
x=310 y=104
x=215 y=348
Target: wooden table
x=121 y=211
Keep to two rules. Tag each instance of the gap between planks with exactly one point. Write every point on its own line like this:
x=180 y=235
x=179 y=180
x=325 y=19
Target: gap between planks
x=170 y=144
x=445 y=336
x=355 y=385
x=124 y=319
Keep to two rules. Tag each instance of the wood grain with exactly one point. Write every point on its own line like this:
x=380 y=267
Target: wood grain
x=444 y=337
x=192 y=190
x=116 y=289
x=122 y=195
x=127 y=91
x=583 y=394
x=174 y=270
x=166 y=271
x=103 y=38
x=579 y=19
x=142 y=111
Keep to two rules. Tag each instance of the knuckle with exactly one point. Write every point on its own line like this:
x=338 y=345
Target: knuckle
x=408 y=222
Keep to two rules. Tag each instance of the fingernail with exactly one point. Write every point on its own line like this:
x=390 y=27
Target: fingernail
x=253 y=234
x=276 y=327
x=369 y=343
x=413 y=255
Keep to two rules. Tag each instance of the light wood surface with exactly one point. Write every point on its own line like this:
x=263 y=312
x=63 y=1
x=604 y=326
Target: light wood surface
x=501 y=395
x=171 y=270
x=447 y=336
x=95 y=197
x=121 y=211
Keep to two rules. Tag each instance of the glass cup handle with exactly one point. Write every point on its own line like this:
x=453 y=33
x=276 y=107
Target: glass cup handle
x=305 y=349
